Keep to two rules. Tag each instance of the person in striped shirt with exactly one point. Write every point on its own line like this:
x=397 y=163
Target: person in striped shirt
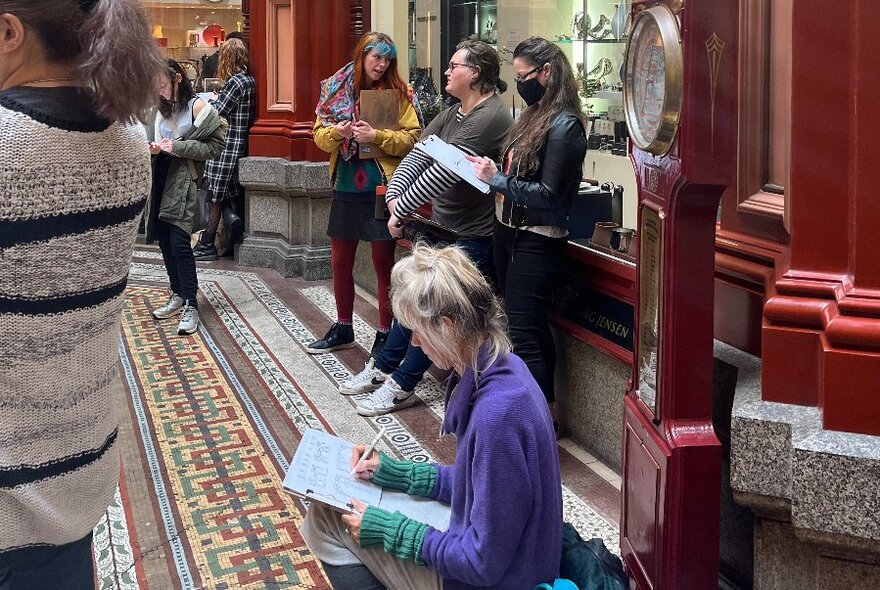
x=477 y=125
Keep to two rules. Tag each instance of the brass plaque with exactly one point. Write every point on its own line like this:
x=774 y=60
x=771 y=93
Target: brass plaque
x=650 y=267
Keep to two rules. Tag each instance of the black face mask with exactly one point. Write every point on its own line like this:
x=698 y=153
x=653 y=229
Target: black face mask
x=531 y=91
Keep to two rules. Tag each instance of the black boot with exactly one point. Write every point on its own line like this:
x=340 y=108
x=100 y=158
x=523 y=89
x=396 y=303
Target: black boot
x=378 y=343
x=234 y=225
x=205 y=253
x=338 y=337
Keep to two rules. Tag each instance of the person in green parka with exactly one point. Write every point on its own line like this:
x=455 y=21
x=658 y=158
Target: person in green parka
x=185 y=134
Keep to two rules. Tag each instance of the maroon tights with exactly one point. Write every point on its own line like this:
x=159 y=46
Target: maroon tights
x=342 y=261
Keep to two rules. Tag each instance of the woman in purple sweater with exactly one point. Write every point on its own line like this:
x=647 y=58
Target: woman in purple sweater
x=502 y=496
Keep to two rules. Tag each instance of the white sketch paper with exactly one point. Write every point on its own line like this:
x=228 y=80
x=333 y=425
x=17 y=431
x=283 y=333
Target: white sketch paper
x=453 y=159
x=320 y=471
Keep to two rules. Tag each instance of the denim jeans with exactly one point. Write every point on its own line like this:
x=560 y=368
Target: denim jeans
x=528 y=267
x=408 y=363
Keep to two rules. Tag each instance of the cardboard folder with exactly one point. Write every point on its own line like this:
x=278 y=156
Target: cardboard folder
x=381 y=109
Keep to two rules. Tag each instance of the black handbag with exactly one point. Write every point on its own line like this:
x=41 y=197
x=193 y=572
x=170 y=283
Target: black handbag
x=417 y=228
x=203 y=210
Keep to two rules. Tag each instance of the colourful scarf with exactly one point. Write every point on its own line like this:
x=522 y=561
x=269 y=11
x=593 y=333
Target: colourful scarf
x=337 y=103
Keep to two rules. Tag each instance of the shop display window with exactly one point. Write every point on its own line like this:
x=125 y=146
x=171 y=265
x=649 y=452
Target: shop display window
x=190 y=31
x=593 y=35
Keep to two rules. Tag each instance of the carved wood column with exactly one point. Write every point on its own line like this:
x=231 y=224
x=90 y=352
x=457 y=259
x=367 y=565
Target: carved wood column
x=294 y=45
x=822 y=326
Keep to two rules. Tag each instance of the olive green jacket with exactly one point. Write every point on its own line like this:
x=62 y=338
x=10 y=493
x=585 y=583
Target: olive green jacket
x=203 y=142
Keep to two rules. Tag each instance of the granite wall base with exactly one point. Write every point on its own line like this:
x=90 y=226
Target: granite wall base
x=288 y=205
x=815 y=493
x=590 y=387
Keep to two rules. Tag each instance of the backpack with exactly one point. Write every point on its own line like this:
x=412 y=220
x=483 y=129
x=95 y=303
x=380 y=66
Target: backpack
x=589 y=564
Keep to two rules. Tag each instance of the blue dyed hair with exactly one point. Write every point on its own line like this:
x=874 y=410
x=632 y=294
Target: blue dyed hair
x=382 y=48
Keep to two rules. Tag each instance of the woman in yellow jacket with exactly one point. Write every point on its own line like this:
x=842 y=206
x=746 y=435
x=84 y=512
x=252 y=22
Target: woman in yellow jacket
x=340 y=131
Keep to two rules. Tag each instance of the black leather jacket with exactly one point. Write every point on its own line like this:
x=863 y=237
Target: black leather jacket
x=544 y=197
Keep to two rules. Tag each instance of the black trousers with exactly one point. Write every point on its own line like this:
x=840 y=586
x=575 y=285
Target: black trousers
x=528 y=266
x=179 y=261
x=56 y=567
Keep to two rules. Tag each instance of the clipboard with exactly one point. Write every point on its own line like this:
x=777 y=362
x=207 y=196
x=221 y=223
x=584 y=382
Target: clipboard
x=381 y=109
x=453 y=159
x=319 y=472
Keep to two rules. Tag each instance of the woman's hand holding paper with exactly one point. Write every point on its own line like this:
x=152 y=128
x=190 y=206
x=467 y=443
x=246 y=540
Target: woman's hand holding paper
x=363 y=132
x=343 y=128
x=353 y=520
x=485 y=168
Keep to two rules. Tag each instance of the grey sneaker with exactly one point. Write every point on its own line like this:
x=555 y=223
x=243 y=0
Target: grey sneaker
x=189 y=321
x=370 y=379
x=388 y=398
x=173 y=307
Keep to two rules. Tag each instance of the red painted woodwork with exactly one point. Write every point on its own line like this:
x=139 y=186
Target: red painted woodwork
x=826 y=304
x=601 y=274
x=745 y=270
x=324 y=36
x=672 y=460
x=610 y=277
x=593 y=340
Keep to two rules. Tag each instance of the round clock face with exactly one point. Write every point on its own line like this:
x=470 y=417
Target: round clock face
x=653 y=80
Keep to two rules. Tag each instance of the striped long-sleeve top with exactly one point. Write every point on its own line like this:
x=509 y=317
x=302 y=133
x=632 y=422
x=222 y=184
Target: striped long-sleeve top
x=72 y=190
x=456 y=204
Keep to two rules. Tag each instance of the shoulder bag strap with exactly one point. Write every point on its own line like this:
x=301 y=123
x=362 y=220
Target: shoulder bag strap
x=192 y=167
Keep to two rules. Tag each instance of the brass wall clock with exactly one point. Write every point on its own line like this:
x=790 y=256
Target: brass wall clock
x=653 y=87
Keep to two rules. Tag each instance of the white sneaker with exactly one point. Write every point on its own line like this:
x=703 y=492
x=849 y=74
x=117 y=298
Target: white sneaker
x=370 y=379
x=189 y=321
x=388 y=398
x=172 y=307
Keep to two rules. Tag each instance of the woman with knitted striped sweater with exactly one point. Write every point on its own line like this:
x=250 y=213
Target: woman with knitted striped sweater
x=492 y=519
x=74 y=177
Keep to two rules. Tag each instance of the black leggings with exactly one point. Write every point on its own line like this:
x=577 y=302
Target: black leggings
x=528 y=267
x=179 y=261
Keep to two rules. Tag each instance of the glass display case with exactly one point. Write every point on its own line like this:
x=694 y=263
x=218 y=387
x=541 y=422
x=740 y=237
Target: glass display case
x=592 y=34
x=604 y=24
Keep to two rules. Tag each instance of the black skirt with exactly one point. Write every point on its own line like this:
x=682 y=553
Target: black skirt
x=353 y=217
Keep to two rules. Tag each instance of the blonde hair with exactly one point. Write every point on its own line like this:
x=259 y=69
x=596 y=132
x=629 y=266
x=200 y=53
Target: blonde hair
x=437 y=283
x=233 y=59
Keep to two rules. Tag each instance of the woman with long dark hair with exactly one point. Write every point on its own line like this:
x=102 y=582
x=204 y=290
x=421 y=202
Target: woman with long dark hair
x=75 y=175
x=540 y=175
x=237 y=104
x=186 y=133
x=340 y=131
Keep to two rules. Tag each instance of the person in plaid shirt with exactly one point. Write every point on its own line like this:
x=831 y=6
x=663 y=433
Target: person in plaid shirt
x=237 y=103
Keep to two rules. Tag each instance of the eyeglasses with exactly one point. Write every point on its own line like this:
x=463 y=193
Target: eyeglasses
x=525 y=76
x=453 y=65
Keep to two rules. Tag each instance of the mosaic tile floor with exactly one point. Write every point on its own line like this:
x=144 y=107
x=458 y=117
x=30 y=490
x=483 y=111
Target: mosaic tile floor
x=213 y=419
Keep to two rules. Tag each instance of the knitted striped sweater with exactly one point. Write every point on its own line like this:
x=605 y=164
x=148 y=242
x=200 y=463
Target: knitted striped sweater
x=72 y=189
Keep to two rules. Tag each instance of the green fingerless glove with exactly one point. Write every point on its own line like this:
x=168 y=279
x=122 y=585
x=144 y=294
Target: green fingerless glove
x=399 y=535
x=416 y=479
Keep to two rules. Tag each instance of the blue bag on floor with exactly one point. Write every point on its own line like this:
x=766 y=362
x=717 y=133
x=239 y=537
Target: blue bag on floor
x=589 y=564
x=558 y=584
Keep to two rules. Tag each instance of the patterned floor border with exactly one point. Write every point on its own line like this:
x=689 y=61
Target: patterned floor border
x=115 y=558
